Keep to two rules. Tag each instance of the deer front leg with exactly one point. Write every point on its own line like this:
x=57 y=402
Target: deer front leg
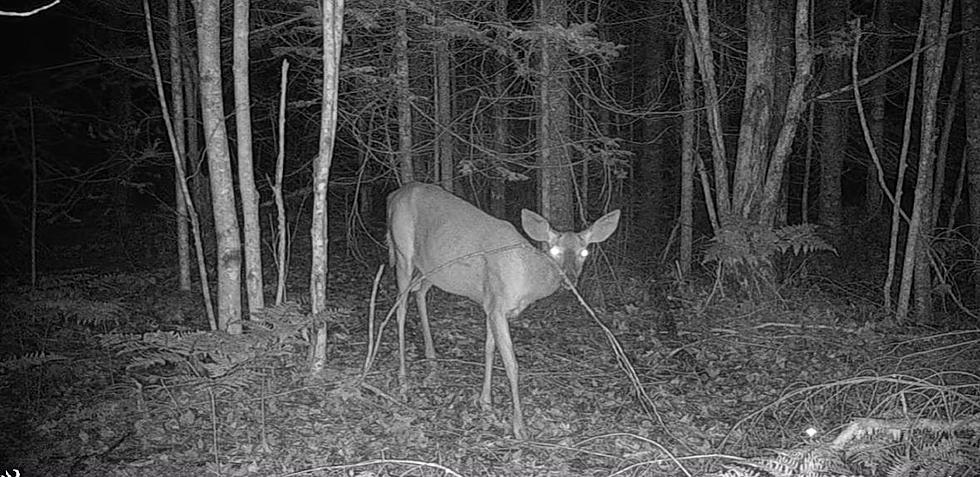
x=501 y=330
x=430 y=350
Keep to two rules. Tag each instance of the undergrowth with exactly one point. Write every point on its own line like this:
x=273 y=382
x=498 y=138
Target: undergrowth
x=110 y=374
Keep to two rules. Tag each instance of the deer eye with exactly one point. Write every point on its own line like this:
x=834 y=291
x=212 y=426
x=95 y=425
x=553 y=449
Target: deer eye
x=555 y=251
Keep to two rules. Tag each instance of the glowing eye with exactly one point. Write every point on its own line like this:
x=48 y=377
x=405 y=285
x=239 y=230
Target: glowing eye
x=584 y=253
x=555 y=251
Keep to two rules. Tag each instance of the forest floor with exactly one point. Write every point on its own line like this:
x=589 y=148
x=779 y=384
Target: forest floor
x=108 y=373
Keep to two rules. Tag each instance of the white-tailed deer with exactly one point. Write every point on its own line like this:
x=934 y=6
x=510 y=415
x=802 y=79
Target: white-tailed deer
x=464 y=251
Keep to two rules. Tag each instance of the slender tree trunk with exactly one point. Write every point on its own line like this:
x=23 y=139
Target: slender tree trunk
x=784 y=56
x=175 y=34
x=246 y=180
x=971 y=92
x=687 y=158
x=897 y=211
x=332 y=18
x=807 y=167
x=699 y=29
x=282 y=242
x=199 y=184
x=936 y=20
x=219 y=165
x=553 y=126
x=405 y=163
x=794 y=111
x=498 y=182
x=175 y=12
x=948 y=116
x=879 y=93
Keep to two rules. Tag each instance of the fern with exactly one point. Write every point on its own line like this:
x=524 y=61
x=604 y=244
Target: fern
x=29 y=360
x=744 y=251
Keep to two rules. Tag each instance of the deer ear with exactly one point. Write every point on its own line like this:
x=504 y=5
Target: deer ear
x=602 y=228
x=536 y=226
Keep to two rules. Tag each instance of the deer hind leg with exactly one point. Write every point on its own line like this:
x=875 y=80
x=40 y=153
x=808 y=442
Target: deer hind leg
x=403 y=275
x=430 y=350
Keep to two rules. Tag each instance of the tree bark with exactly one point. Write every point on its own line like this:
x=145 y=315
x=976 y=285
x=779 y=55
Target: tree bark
x=246 y=179
x=444 y=114
x=947 y=128
x=833 y=128
x=794 y=111
x=553 y=126
x=688 y=127
x=971 y=91
x=700 y=31
x=332 y=18
x=229 y=249
x=199 y=184
x=405 y=163
x=936 y=20
x=879 y=93
x=754 y=134
x=175 y=34
x=501 y=144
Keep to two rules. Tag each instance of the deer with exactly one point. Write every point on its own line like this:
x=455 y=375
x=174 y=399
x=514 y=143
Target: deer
x=462 y=250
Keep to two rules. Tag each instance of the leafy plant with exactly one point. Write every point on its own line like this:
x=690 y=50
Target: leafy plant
x=745 y=250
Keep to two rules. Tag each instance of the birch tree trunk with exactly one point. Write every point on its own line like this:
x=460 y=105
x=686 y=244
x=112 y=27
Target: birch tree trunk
x=246 y=180
x=332 y=18
x=175 y=35
x=229 y=250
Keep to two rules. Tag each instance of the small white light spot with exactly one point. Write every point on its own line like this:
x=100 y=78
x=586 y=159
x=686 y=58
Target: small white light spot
x=555 y=251
x=810 y=432
x=584 y=253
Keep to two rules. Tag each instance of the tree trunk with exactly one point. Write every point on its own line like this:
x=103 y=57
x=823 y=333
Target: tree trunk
x=700 y=31
x=917 y=245
x=229 y=250
x=754 y=134
x=332 y=18
x=553 y=127
x=971 y=91
x=794 y=111
x=498 y=177
x=947 y=128
x=405 y=163
x=879 y=93
x=688 y=127
x=175 y=34
x=782 y=84
x=444 y=115
x=833 y=127
x=246 y=179
x=199 y=184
